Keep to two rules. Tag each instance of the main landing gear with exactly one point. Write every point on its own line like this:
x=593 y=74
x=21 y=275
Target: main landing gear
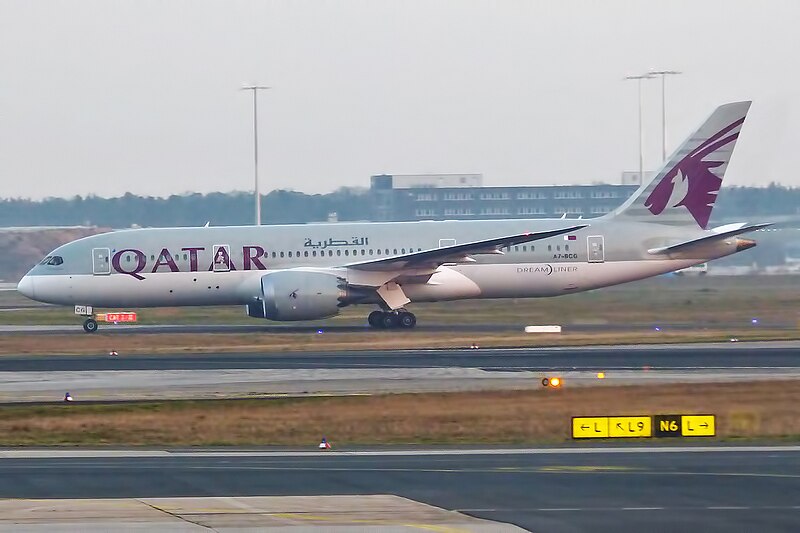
x=392 y=319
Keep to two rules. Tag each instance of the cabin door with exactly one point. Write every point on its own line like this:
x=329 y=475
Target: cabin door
x=101 y=264
x=597 y=253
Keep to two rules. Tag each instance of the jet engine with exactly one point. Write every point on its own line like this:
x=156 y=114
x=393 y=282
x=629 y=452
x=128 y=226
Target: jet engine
x=299 y=295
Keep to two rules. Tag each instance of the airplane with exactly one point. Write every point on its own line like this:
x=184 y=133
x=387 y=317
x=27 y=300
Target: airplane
x=312 y=271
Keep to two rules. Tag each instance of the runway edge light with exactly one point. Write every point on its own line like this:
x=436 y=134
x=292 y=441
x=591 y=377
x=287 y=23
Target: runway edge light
x=554 y=382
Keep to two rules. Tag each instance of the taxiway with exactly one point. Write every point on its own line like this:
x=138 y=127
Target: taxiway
x=620 y=489
x=248 y=375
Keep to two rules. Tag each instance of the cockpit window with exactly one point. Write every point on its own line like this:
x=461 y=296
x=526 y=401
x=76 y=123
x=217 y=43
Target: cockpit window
x=45 y=260
x=55 y=260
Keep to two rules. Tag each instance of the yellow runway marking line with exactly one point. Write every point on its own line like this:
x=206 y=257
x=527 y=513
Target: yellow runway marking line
x=374 y=522
x=587 y=468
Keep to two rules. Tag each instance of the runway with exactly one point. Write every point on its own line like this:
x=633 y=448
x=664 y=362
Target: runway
x=729 y=356
x=252 y=375
x=260 y=327
x=598 y=489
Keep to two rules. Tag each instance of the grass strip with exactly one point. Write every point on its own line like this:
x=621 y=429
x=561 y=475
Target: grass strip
x=133 y=343
x=744 y=410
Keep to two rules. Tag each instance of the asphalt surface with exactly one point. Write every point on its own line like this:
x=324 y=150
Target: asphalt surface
x=740 y=356
x=421 y=328
x=629 y=489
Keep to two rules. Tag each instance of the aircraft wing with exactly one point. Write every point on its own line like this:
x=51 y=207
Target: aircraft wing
x=457 y=252
x=715 y=236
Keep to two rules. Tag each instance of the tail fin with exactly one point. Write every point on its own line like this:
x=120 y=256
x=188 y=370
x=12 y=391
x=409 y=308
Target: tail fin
x=683 y=192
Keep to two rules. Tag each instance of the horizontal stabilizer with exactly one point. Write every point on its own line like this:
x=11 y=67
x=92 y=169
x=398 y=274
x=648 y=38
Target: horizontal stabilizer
x=715 y=236
x=457 y=252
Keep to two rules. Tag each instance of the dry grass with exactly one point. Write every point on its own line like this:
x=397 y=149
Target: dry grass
x=757 y=409
x=377 y=340
x=710 y=301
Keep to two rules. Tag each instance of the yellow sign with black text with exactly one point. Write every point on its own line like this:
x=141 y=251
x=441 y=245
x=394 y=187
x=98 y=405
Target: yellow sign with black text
x=615 y=427
x=630 y=426
x=698 y=425
x=594 y=427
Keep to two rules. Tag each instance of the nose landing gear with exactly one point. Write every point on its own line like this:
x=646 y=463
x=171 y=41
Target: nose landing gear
x=90 y=325
x=392 y=319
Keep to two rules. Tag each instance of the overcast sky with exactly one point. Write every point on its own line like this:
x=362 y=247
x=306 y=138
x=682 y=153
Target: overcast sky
x=106 y=97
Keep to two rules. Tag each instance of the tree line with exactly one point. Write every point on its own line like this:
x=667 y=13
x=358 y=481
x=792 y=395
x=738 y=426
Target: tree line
x=219 y=209
x=289 y=207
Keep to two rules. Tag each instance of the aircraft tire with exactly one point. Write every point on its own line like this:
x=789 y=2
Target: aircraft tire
x=406 y=320
x=389 y=321
x=90 y=325
x=374 y=319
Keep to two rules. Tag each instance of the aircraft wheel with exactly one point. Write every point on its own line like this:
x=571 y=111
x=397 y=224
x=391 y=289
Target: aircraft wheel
x=389 y=320
x=374 y=319
x=407 y=320
x=90 y=325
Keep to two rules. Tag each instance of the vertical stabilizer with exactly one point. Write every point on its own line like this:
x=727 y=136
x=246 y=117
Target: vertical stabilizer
x=683 y=192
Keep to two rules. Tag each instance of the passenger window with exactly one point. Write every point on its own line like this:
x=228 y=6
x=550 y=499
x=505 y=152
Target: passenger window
x=524 y=248
x=566 y=247
x=549 y=247
x=305 y=254
x=403 y=251
x=363 y=252
x=347 y=252
x=273 y=255
x=281 y=254
x=330 y=253
x=370 y=252
x=290 y=254
x=338 y=252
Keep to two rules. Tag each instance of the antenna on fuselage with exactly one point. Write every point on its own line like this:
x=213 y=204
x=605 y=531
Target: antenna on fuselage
x=207 y=224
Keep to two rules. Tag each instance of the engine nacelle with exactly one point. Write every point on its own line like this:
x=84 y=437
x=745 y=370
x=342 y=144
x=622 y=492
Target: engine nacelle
x=300 y=295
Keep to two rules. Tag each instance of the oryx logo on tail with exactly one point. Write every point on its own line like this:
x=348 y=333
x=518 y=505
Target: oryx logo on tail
x=691 y=183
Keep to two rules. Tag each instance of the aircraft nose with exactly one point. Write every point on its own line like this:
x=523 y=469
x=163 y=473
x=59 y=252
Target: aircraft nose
x=25 y=286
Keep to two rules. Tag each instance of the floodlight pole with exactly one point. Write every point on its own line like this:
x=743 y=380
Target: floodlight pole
x=663 y=74
x=639 y=80
x=255 y=89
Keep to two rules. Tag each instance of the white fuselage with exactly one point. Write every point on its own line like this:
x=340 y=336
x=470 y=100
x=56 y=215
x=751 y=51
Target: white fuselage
x=176 y=267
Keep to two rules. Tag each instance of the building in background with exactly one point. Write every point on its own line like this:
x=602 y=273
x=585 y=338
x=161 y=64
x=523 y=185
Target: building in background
x=463 y=197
